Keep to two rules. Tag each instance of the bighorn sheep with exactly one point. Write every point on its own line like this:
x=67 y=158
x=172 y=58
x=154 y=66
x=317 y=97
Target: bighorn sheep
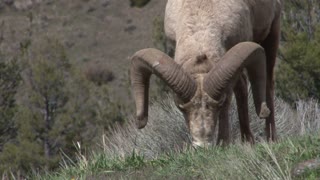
x=215 y=41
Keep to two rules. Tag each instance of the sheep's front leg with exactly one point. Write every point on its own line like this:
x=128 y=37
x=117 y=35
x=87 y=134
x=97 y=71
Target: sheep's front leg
x=241 y=94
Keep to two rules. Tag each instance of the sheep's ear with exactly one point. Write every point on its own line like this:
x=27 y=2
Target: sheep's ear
x=151 y=61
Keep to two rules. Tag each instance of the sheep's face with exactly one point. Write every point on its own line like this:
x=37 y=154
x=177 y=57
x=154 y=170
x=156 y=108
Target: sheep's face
x=201 y=114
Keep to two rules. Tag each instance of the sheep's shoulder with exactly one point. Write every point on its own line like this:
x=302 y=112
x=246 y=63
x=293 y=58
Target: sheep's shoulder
x=172 y=14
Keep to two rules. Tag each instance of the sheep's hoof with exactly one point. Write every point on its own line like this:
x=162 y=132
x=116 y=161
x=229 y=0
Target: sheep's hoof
x=264 y=111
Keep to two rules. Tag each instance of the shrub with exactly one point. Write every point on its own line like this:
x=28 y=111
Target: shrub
x=138 y=3
x=98 y=73
x=297 y=76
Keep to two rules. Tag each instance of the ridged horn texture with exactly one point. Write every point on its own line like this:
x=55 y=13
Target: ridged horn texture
x=146 y=62
x=247 y=55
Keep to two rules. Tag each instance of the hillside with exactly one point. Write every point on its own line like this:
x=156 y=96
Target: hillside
x=106 y=32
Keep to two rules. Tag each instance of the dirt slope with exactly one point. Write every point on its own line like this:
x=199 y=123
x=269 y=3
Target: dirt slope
x=104 y=31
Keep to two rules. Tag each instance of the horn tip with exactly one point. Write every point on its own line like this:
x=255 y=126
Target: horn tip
x=141 y=122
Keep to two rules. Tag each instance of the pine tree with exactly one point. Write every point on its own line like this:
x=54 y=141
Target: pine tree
x=9 y=81
x=43 y=97
x=58 y=108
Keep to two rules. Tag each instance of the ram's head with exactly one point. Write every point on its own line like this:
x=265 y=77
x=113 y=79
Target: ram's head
x=199 y=96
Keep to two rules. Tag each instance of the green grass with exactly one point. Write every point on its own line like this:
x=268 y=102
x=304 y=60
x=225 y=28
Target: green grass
x=160 y=150
x=238 y=161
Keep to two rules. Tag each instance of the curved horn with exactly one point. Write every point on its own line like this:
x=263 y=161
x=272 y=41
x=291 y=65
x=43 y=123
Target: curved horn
x=148 y=61
x=247 y=55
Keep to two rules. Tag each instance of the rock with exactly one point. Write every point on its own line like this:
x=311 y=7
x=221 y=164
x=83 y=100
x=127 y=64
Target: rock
x=25 y=4
x=302 y=167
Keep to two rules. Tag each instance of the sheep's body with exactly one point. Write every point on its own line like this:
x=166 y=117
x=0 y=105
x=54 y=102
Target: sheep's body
x=215 y=40
x=214 y=26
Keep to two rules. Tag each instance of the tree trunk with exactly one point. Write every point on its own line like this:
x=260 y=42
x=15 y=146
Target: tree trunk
x=47 y=118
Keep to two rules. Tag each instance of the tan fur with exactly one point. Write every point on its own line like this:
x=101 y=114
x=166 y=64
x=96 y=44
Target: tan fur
x=214 y=26
x=208 y=29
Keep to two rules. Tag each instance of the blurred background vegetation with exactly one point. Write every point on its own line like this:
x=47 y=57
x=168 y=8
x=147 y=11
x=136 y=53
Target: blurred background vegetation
x=64 y=71
x=298 y=73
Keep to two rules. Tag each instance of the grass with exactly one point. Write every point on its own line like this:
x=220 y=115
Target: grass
x=237 y=161
x=162 y=151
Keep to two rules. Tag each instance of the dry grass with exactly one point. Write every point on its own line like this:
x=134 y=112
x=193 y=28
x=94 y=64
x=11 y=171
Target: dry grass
x=161 y=150
x=167 y=131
